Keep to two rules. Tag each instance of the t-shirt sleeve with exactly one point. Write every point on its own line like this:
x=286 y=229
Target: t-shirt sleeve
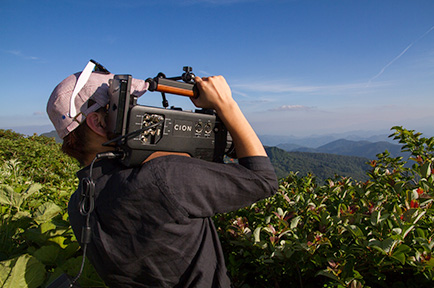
x=204 y=189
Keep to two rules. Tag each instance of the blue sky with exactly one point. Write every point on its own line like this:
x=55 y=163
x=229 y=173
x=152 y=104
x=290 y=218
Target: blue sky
x=295 y=67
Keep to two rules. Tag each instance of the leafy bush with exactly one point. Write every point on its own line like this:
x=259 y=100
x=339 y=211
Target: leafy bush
x=36 y=241
x=39 y=158
x=377 y=233
x=344 y=233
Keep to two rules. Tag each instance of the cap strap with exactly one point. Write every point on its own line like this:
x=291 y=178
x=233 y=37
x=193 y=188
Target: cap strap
x=82 y=80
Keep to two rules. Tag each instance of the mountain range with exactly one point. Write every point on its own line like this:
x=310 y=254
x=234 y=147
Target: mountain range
x=315 y=141
x=346 y=147
x=343 y=157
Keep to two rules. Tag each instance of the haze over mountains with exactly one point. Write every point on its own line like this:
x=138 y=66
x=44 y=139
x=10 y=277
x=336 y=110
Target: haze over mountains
x=345 y=147
x=361 y=144
x=315 y=141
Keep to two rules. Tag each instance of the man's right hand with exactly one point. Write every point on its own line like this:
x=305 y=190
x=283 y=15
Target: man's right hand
x=215 y=93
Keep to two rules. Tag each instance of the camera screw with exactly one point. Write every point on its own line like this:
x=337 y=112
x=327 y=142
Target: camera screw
x=188 y=76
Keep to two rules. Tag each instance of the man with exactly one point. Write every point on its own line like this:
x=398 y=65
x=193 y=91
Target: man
x=151 y=225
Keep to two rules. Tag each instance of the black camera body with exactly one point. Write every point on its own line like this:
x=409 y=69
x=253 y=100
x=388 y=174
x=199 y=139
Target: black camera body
x=141 y=130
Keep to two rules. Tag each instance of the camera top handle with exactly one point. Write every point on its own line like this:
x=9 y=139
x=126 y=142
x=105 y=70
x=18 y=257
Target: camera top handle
x=173 y=86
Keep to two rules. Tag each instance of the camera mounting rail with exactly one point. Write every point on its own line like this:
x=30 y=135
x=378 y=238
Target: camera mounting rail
x=172 y=85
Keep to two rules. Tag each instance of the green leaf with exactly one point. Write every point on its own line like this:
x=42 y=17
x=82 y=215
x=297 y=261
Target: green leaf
x=294 y=222
x=46 y=212
x=32 y=189
x=47 y=254
x=27 y=271
x=46 y=227
x=377 y=218
x=420 y=232
x=400 y=253
x=268 y=219
x=21 y=214
x=59 y=240
x=400 y=257
x=5 y=270
x=6 y=193
x=386 y=246
x=425 y=170
x=257 y=234
x=376 y=244
x=406 y=231
x=356 y=231
x=329 y=275
x=419 y=214
x=430 y=263
x=70 y=250
x=389 y=244
x=9 y=197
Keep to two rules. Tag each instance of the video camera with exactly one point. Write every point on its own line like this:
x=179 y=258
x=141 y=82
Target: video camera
x=141 y=130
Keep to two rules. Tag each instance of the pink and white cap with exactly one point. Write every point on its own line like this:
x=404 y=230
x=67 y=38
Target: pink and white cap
x=67 y=106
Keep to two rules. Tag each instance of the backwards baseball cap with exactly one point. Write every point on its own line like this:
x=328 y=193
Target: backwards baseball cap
x=68 y=105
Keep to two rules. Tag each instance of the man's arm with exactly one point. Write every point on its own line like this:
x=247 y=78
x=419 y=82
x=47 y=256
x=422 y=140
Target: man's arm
x=215 y=94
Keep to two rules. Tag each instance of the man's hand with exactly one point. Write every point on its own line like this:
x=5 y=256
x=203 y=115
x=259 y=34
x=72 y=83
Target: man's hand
x=214 y=93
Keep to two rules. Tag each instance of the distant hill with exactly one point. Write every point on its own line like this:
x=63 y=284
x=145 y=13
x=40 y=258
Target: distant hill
x=345 y=147
x=315 y=141
x=291 y=147
x=53 y=134
x=322 y=165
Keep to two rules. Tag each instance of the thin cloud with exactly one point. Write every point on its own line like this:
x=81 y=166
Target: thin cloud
x=286 y=87
x=284 y=108
x=21 y=55
x=399 y=55
x=204 y=73
x=14 y=52
x=254 y=101
x=236 y=92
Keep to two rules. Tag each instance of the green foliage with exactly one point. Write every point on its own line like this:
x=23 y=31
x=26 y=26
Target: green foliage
x=336 y=232
x=377 y=233
x=38 y=158
x=36 y=241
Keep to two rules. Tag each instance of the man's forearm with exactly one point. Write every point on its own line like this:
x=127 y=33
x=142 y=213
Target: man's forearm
x=244 y=137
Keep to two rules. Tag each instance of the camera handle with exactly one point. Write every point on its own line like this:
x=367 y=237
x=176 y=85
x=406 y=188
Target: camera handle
x=172 y=85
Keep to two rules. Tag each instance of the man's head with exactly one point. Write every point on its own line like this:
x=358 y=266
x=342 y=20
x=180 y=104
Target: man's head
x=77 y=106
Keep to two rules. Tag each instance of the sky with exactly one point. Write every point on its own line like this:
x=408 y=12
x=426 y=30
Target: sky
x=295 y=67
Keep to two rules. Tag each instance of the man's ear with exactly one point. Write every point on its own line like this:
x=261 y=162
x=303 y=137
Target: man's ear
x=96 y=123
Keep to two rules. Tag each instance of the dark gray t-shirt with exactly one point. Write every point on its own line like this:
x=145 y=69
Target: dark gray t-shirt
x=151 y=224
